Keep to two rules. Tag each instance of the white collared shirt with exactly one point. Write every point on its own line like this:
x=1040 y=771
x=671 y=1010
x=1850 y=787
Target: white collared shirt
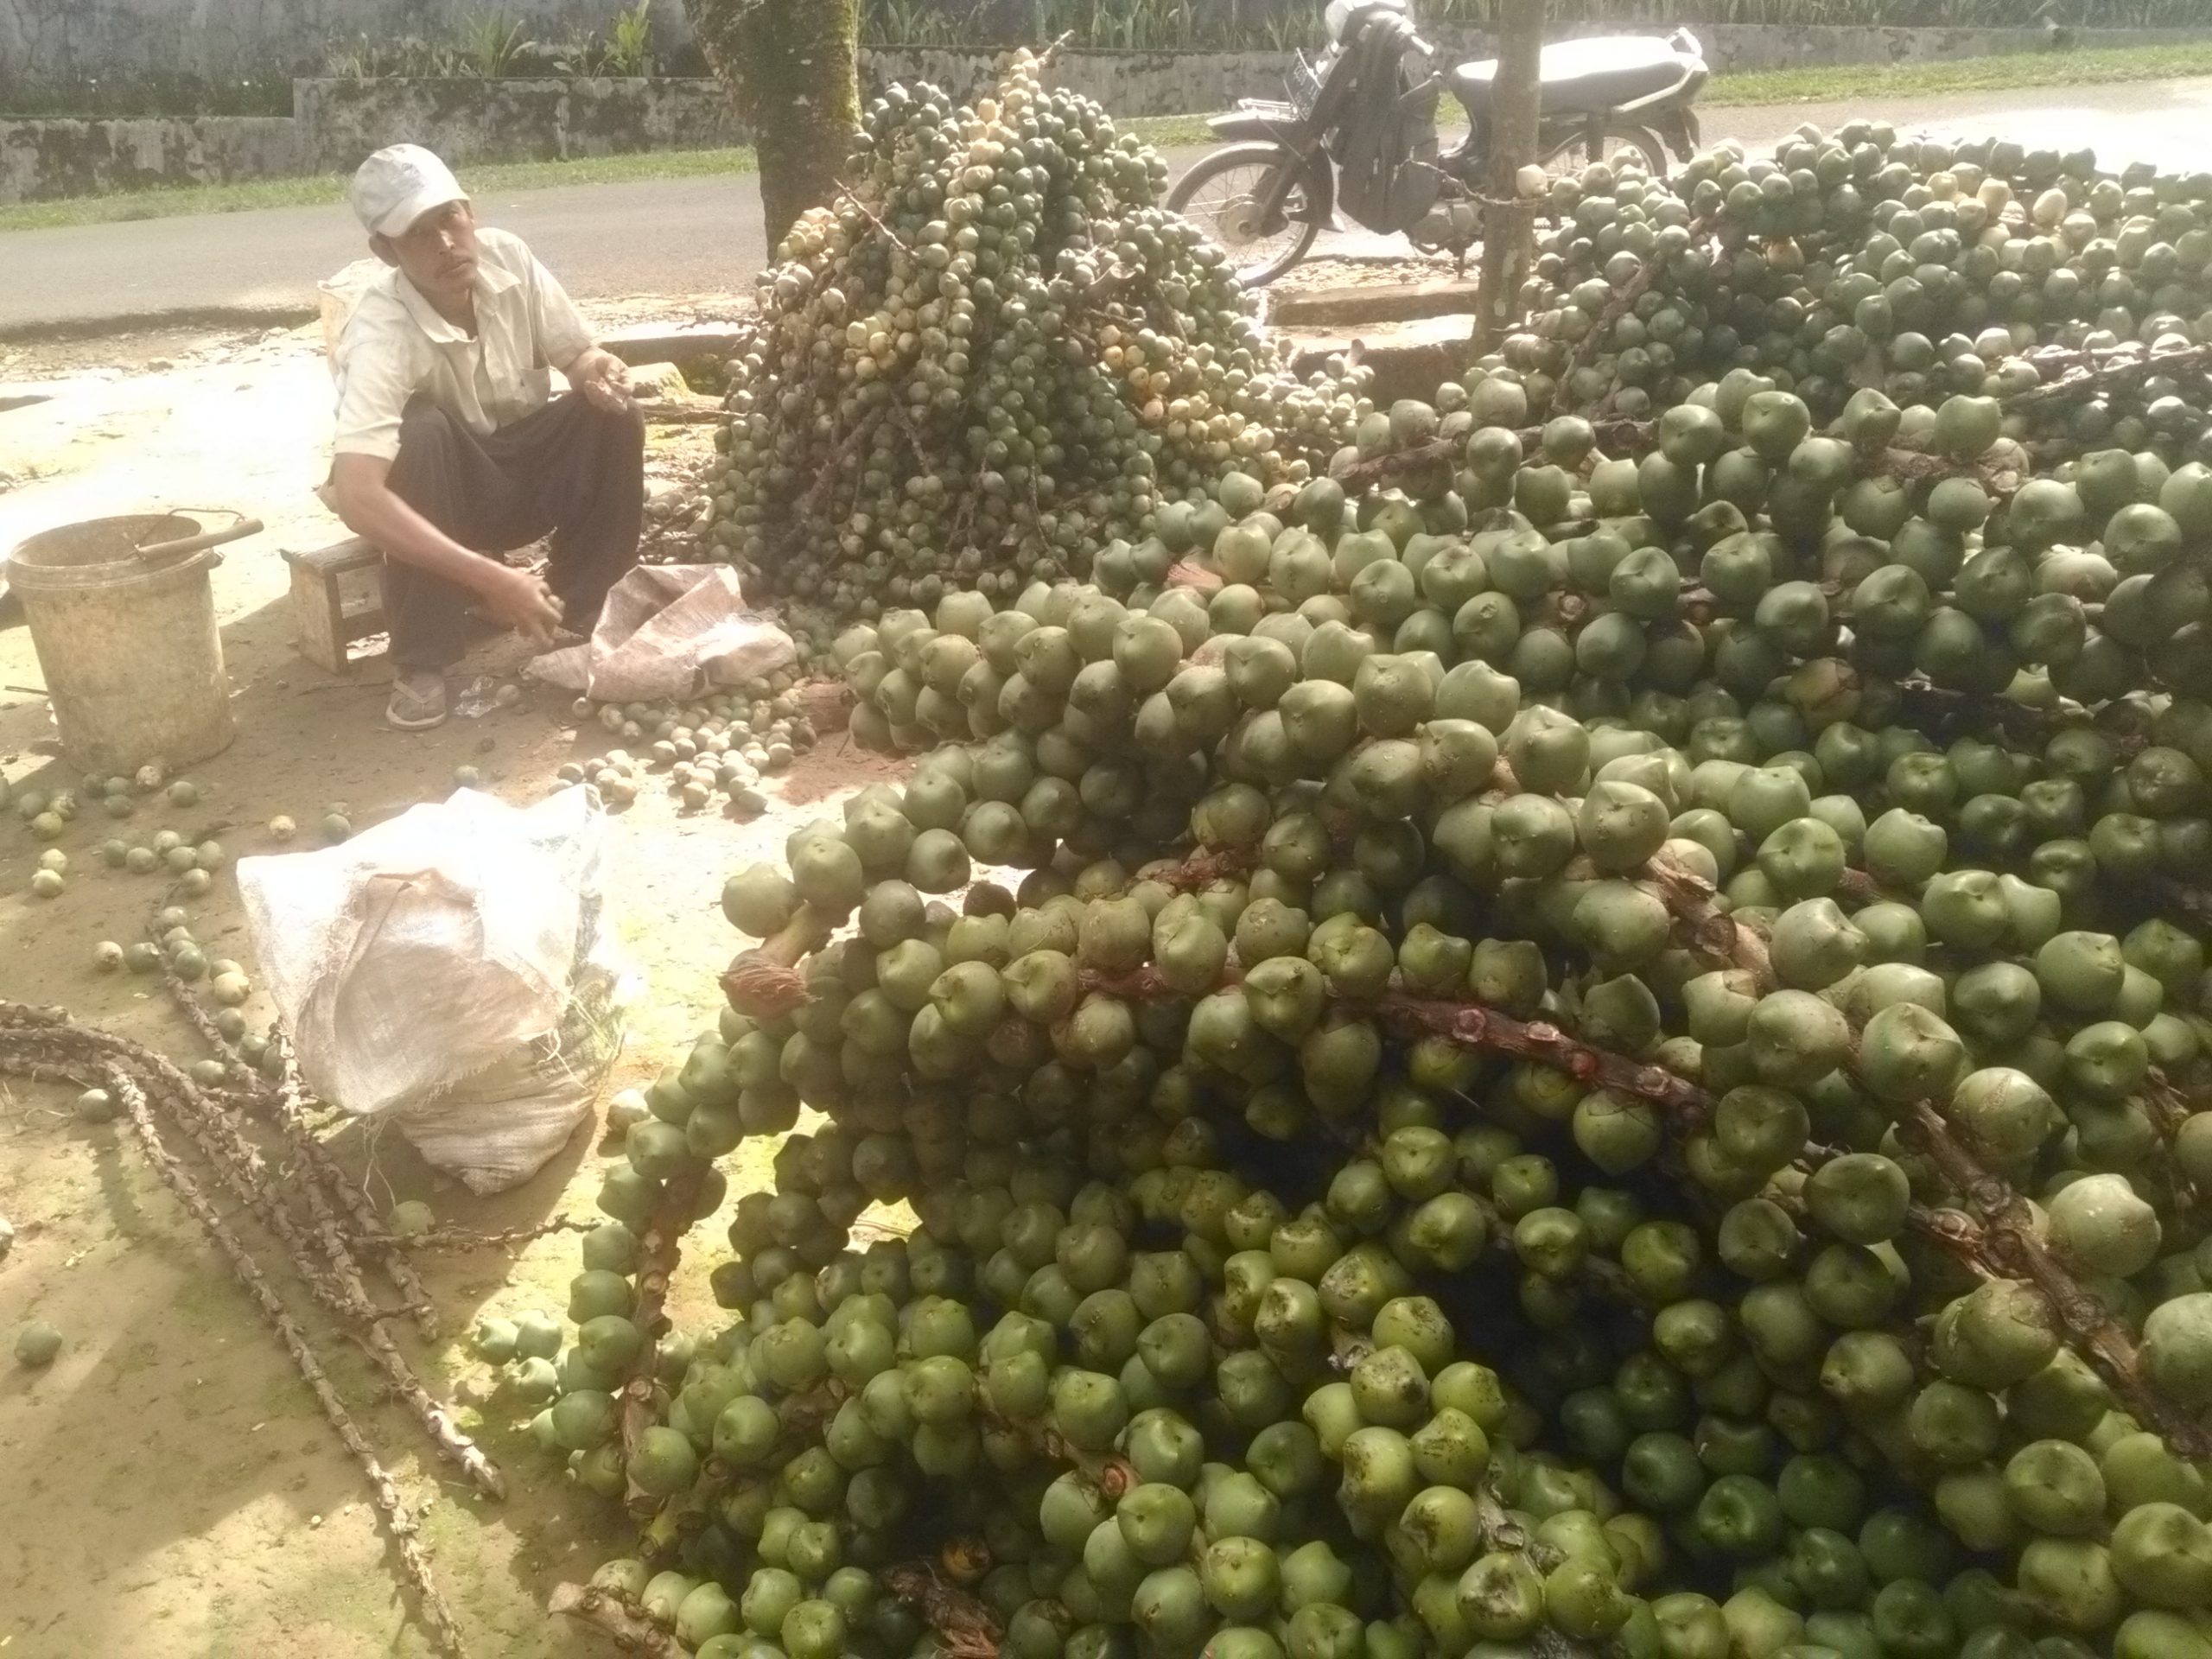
x=395 y=346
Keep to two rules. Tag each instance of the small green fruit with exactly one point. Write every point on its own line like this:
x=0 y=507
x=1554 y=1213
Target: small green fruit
x=36 y=1346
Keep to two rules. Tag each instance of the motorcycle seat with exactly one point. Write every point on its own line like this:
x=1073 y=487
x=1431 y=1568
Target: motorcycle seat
x=1587 y=76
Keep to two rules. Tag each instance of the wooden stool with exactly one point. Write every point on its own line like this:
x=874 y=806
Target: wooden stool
x=337 y=598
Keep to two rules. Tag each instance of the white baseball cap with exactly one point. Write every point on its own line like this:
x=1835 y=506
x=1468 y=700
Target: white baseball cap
x=399 y=184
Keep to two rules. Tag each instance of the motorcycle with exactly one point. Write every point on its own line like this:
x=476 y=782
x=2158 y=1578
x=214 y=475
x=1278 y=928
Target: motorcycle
x=1358 y=132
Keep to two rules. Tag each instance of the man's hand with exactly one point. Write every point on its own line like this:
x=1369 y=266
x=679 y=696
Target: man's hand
x=603 y=379
x=521 y=601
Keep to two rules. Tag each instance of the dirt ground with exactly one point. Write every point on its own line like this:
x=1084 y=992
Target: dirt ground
x=170 y=1491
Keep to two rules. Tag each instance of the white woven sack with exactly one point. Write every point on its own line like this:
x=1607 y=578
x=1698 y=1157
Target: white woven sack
x=499 y=1128
x=670 y=631
x=427 y=950
x=338 y=296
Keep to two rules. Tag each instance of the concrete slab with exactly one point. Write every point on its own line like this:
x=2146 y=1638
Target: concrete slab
x=687 y=346
x=1352 y=304
x=1410 y=359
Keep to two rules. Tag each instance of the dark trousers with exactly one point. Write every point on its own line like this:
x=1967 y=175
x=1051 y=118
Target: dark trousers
x=571 y=469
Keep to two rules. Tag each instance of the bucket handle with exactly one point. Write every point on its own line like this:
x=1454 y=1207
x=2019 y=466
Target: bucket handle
x=238 y=531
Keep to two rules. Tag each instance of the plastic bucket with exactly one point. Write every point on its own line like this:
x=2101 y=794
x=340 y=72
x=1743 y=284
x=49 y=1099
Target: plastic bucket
x=128 y=643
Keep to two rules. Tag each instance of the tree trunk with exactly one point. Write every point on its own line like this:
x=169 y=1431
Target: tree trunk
x=1509 y=219
x=793 y=68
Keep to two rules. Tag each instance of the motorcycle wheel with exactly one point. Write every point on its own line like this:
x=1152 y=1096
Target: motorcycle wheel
x=1220 y=195
x=1618 y=140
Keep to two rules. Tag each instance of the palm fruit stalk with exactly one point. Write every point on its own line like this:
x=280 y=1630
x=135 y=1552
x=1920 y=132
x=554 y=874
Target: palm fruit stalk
x=39 y=1046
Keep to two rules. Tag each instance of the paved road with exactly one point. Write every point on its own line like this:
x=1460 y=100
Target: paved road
x=687 y=238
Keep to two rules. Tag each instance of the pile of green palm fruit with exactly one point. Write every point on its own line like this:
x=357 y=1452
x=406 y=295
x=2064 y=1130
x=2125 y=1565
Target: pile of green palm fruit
x=1556 y=1076
x=997 y=354
x=720 y=744
x=1921 y=267
x=1510 y=1047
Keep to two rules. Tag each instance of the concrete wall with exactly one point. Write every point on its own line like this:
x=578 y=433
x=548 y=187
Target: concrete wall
x=46 y=158
x=1126 y=83
x=473 y=121
x=1735 y=48
x=338 y=122
x=1182 y=83
x=62 y=40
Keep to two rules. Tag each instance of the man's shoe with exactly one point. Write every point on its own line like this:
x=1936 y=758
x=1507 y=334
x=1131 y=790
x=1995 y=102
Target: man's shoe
x=418 y=703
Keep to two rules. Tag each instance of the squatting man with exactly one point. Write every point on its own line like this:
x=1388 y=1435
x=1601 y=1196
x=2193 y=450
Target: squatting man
x=451 y=448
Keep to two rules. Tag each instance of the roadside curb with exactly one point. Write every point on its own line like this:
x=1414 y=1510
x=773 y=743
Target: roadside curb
x=132 y=323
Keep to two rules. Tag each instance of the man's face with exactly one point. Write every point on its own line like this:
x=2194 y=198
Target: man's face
x=437 y=253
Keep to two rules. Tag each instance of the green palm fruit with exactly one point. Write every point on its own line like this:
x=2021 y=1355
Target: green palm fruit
x=1739 y=1517
x=1846 y=1284
x=2153 y=1634
x=1999 y=1334
x=1805 y=857
x=1692 y=1626
x=1966 y=909
x=1795 y=1039
x=1866 y=1371
x=2178 y=1348
x=664 y=1463
x=2103 y=1225
x=1907 y=1053
x=1757 y=1239
x=1860 y=1197
x=537 y=1335
x=1660 y=1471
x=37 y=1345
x=2055 y=1487
x=609 y=1342
x=1814 y=944
x=2081 y=972
x=664 y=1594
x=1825 y=1569
x=584 y=1419
x=1240 y=1577
x=595 y=1292
x=1621 y=925
x=1621 y=825
x=1501 y=1596
x=2069 y=1583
